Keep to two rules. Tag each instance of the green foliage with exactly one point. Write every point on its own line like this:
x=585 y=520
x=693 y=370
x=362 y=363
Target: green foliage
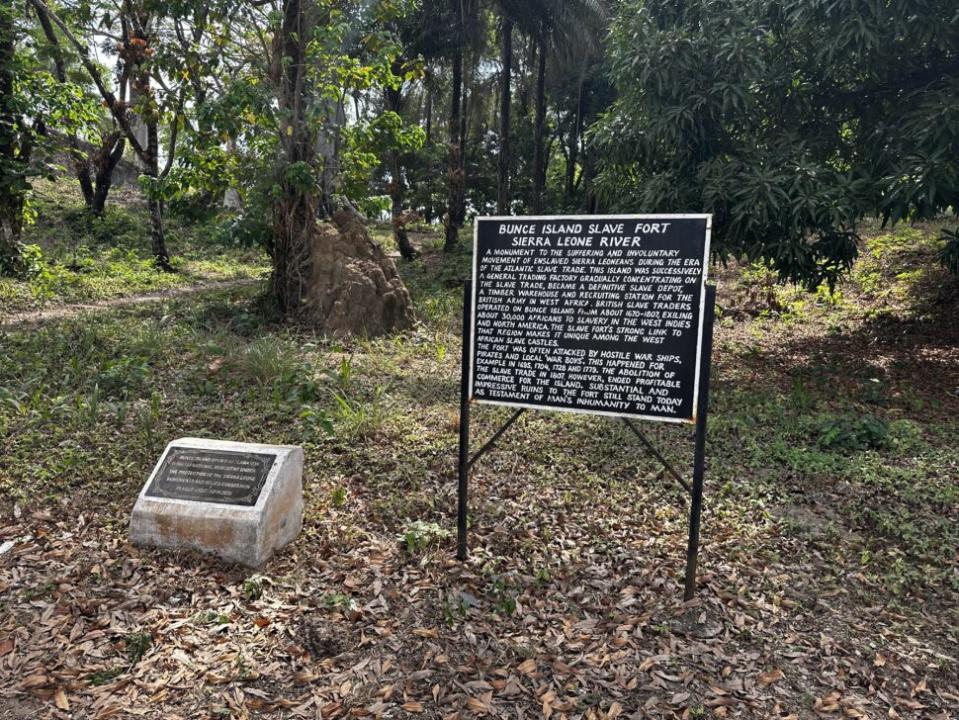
x=253 y=589
x=32 y=102
x=137 y=645
x=419 y=535
x=788 y=121
x=338 y=602
x=71 y=257
x=273 y=365
x=105 y=677
x=846 y=433
x=338 y=497
x=949 y=254
x=502 y=595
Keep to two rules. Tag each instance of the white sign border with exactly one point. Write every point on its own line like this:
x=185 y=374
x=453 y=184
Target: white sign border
x=583 y=411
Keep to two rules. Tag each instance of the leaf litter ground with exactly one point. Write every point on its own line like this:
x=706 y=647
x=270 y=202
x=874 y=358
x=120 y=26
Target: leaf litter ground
x=828 y=583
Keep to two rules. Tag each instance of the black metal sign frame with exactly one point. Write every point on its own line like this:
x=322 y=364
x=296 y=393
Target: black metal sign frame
x=695 y=488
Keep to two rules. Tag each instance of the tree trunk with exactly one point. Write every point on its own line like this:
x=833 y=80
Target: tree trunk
x=590 y=199
x=465 y=117
x=505 y=99
x=157 y=236
x=333 y=278
x=11 y=166
x=394 y=103
x=456 y=211
x=539 y=124
x=110 y=154
x=397 y=195
x=429 y=114
x=294 y=211
x=573 y=155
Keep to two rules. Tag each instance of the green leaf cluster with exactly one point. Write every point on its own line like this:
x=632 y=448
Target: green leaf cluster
x=789 y=121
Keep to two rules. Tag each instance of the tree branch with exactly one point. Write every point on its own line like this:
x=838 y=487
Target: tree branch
x=174 y=131
x=108 y=97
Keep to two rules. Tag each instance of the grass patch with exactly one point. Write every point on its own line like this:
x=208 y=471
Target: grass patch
x=796 y=419
x=78 y=259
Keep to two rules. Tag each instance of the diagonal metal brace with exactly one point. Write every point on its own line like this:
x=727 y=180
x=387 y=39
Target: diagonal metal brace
x=649 y=446
x=496 y=436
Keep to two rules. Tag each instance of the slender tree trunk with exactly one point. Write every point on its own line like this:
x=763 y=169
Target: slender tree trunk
x=455 y=180
x=539 y=124
x=573 y=155
x=394 y=103
x=294 y=211
x=105 y=163
x=11 y=175
x=157 y=235
x=529 y=57
x=429 y=114
x=505 y=100
x=590 y=199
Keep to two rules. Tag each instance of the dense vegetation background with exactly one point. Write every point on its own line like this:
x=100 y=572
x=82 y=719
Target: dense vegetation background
x=793 y=122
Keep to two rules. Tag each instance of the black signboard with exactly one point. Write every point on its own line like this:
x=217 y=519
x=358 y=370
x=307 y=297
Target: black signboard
x=214 y=476
x=590 y=314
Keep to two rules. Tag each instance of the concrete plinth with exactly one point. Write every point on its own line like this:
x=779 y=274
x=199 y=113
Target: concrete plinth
x=238 y=501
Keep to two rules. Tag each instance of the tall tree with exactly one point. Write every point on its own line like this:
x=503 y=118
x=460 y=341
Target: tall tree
x=539 y=126
x=332 y=277
x=394 y=104
x=295 y=208
x=103 y=156
x=139 y=28
x=505 y=103
x=14 y=154
x=456 y=173
x=565 y=28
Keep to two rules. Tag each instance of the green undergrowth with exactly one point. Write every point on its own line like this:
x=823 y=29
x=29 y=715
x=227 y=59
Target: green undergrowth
x=75 y=258
x=897 y=274
x=806 y=439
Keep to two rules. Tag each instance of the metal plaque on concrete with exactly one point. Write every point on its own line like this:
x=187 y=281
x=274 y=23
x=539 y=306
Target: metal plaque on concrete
x=218 y=476
x=239 y=501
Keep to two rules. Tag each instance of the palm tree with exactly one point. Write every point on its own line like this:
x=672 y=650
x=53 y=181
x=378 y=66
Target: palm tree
x=559 y=28
x=505 y=101
x=465 y=22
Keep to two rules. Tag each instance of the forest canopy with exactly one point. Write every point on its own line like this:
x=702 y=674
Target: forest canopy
x=791 y=122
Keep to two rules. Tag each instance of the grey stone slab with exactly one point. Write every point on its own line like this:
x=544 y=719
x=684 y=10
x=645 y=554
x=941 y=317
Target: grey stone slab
x=238 y=501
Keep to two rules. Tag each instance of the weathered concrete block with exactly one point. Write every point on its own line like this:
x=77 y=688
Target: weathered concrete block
x=239 y=501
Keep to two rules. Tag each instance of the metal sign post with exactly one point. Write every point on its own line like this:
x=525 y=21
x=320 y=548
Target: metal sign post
x=652 y=363
x=695 y=489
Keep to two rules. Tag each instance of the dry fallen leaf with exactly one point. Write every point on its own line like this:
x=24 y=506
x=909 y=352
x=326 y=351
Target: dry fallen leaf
x=34 y=681
x=479 y=705
x=527 y=666
x=413 y=706
x=60 y=699
x=773 y=676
